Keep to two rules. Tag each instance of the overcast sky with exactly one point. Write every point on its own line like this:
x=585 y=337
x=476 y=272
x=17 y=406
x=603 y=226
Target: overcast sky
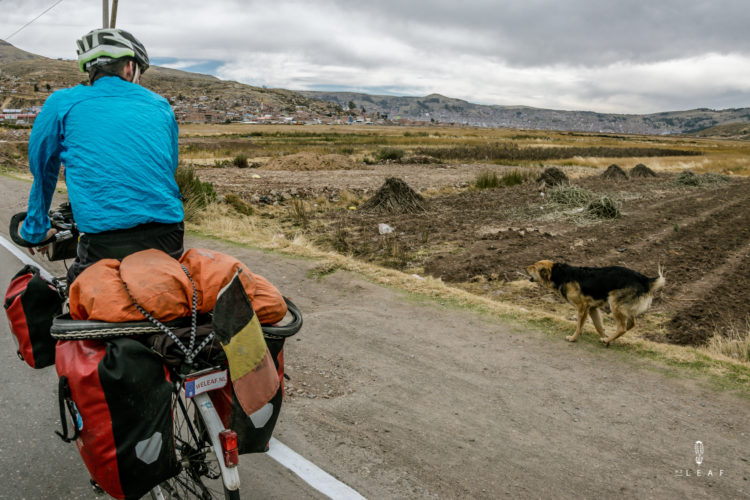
x=624 y=56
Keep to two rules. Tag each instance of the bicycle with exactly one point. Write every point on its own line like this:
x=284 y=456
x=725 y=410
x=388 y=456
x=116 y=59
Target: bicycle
x=206 y=452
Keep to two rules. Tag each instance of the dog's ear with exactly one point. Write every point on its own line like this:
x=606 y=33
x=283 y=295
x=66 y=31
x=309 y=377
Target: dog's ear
x=544 y=273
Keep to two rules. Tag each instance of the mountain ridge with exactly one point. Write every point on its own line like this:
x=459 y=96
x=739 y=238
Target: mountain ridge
x=442 y=109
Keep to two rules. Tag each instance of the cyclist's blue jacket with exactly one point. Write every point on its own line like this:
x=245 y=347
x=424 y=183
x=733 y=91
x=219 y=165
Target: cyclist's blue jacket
x=118 y=143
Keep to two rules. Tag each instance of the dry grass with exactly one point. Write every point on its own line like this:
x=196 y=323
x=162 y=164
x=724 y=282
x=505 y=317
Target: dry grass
x=300 y=212
x=734 y=343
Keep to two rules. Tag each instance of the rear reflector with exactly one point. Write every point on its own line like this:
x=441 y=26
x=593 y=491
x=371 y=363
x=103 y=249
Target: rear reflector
x=228 y=439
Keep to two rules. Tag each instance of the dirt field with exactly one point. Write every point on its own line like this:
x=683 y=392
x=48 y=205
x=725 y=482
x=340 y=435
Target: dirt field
x=404 y=397
x=481 y=240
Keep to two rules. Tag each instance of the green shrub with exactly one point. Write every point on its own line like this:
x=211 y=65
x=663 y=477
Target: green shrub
x=195 y=194
x=487 y=180
x=240 y=161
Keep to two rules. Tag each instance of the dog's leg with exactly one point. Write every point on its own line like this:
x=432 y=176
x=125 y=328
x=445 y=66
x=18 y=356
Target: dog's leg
x=631 y=323
x=596 y=318
x=583 y=312
x=622 y=322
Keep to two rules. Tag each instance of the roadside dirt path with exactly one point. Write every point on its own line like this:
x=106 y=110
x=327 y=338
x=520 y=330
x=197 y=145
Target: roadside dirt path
x=407 y=399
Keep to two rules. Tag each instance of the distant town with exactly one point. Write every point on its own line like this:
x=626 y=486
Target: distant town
x=206 y=109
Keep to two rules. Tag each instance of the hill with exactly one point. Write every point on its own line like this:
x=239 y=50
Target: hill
x=737 y=131
x=26 y=79
x=443 y=109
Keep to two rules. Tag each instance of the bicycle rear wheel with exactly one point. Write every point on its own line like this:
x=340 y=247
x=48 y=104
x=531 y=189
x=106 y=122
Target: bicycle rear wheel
x=200 y=476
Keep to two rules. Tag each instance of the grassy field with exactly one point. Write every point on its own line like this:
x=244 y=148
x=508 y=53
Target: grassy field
x=204 y=144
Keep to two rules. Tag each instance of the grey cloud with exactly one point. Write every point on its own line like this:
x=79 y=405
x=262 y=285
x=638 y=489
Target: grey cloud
x=585 y=32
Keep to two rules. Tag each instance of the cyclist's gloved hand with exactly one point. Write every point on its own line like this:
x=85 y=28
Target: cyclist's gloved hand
x=43 y=249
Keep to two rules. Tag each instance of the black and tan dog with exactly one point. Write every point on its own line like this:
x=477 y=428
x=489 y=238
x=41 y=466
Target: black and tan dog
x=627 y=293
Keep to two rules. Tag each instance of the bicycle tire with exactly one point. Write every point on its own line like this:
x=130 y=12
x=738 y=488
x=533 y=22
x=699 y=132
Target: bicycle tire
x=200 y=475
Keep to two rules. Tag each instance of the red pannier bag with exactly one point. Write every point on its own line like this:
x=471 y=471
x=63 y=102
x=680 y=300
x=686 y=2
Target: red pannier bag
x=31 y=302
x=120 y=400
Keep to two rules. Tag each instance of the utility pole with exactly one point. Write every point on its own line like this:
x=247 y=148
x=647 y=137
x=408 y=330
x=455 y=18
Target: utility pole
x=106 y=21
x=114 y=14
x=105 y=14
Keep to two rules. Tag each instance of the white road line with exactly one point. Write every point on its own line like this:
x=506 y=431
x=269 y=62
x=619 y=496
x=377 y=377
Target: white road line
x=24 y=257
x=311 y=473
x=306 y=470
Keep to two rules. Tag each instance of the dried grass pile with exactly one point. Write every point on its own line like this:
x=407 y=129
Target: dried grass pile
x=395 y=196
x=614 y=172
x=688 y=178
x=642 y=170
x=553 y=176
x=603 y=208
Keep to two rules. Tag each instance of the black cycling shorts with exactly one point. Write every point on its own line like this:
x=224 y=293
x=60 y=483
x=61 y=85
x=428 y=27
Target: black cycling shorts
x=120 y=243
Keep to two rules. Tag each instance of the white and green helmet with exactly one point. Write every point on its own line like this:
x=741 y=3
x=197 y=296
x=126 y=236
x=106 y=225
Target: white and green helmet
x=102 y=46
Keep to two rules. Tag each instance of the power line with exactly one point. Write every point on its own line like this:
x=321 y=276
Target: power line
x=37 y=17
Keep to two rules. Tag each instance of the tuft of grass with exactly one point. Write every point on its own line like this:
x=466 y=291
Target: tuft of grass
x=734 y=343
x=513 y=178
x=196 y=195
x=487 y=180
x=323 y=269
x=300 y=212
x=240 y=205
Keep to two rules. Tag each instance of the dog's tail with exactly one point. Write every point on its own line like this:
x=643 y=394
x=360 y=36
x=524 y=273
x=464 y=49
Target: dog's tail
x=658 y=282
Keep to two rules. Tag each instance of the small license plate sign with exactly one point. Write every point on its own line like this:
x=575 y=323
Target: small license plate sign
x=198 y=384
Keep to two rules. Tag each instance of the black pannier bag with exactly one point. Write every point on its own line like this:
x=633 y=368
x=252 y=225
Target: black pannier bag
x=119 y=396
x=31 y=303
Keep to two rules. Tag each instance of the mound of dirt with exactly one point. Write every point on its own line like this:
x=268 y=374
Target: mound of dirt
x=395 y=196
x=614 y=172
x=552 y=176
x=310 y=161
x=642 y=170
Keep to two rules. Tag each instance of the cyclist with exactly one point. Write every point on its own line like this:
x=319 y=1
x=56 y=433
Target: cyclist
x=118 y=144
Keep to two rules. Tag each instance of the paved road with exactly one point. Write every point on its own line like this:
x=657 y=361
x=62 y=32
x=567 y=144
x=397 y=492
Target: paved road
x=37 y=464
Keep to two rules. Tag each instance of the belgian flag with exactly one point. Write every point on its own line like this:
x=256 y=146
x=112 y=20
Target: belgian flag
x=251 y=367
